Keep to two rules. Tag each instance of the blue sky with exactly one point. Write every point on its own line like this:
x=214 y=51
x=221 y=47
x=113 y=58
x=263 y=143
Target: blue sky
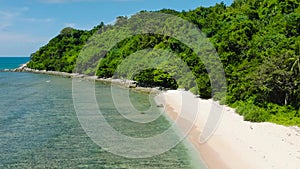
x=27 y=25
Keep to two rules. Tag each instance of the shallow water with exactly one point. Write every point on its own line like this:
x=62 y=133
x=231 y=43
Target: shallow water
x=39 y=127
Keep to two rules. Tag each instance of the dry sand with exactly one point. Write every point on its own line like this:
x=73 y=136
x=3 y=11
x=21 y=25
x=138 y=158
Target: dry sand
x=235 y=144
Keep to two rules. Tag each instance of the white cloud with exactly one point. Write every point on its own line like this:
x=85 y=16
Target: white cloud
x=125 y=0
x=12 y=43
x=70 y=1
x=7 y=15
x=12 y=13
x=10 y=17
x=37 y=20
x=72 y=25
x=14 y=39
x=63 y=1
x=6 y=19
x=17 y=37
x=4 y=26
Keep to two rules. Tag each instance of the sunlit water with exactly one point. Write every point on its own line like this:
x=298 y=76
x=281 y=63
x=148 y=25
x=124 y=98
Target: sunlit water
x=39 y=127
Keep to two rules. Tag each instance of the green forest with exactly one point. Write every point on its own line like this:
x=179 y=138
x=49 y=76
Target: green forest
x=257 y=41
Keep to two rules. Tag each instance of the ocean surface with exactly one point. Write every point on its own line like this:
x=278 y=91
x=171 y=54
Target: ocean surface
x=39 y=127
x=12 y=62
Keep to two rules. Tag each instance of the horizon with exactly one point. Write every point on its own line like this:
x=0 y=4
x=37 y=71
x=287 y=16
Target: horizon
x=27 y=26
x=14 y=56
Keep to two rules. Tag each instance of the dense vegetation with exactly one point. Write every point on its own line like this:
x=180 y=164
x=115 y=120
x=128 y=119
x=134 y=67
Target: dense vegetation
x=258 y=42
x=155 y=77
x=61 y=52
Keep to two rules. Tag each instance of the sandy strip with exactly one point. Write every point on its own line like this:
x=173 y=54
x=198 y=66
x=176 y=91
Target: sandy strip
x=236 y=144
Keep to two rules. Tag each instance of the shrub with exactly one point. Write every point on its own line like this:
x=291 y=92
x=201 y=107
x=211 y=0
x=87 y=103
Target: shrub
x=251 y=112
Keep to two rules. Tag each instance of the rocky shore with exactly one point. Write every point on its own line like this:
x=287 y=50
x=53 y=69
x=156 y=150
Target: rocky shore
x=121 y=82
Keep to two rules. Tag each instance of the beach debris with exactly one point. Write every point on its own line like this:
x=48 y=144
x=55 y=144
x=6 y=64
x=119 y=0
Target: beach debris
x=160 y=105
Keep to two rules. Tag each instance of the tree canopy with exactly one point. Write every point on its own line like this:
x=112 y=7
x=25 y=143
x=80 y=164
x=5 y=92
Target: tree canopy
x=258 y=42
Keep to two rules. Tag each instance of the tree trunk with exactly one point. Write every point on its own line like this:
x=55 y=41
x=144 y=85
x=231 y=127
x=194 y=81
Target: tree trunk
x=286 y=99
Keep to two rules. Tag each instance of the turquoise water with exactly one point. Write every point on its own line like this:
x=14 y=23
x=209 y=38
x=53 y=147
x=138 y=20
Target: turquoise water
x=39 y=127
x=12 y=62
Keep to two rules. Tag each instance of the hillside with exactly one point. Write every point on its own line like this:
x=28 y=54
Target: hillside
x=258 y=42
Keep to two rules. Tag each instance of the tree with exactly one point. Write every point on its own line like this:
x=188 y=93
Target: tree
x=295 y=60
x=155 y=78
x=257 y=41
x=275 y=82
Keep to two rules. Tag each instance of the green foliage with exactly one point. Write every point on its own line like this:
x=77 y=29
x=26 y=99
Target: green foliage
x=257 y=41
x=155 y=77
x=285 y=115
x=127 y=47
x=61 y=53
x=251 y=112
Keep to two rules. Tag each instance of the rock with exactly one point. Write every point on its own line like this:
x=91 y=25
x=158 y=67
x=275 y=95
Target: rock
x=160 y=105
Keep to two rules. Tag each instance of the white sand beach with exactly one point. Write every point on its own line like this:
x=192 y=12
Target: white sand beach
x=235 y=144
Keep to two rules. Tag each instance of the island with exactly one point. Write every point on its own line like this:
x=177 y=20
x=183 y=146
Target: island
x=258 y=44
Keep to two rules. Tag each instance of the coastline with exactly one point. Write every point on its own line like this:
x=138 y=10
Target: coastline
x=119 y=82
x=237 y=143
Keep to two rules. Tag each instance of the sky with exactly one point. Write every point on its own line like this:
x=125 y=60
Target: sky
x=26 y=25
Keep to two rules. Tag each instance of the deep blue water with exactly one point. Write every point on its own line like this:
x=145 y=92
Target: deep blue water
x=12 y=62
x=39 y=127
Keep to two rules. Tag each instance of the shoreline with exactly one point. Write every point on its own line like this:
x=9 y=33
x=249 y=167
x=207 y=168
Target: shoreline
x=128 y=84
x=119 y=82
x=205 y=153
x=236 y=143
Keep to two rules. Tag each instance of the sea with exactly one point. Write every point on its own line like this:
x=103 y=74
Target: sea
x=39 y=127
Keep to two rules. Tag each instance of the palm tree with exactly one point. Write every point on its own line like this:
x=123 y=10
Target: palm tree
x=295 y=69
x=296 y=59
